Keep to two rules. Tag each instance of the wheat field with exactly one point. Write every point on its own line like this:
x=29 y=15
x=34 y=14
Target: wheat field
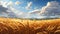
x=18 y=26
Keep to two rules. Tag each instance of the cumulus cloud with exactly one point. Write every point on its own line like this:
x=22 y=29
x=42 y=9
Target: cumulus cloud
x=2 y=9
x=3 y=3
x=10 y=12
x=6 y=4
x=10 y=3
x=17 y=13
x=6 y=10
x=28 y=6
x=51 y=9
x=5 y=13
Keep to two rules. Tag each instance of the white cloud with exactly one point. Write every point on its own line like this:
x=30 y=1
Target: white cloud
x=51 y=9
x=6 y=4
x=6 y=10
x=10 y=3
x=34 y=11
x=28 y=6
x=13 y=12
x=3 y=3
x=17 y=12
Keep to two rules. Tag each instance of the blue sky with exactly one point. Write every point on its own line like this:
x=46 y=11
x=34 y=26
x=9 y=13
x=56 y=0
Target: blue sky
x=30 y=8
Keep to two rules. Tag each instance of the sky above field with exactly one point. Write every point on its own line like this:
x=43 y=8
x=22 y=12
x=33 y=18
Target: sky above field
x=30 y=8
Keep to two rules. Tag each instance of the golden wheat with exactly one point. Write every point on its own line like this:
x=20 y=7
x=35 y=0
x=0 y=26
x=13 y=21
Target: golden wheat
x=18 y=26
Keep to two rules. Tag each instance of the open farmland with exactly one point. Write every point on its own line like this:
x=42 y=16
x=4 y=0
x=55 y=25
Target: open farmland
x=19 y=26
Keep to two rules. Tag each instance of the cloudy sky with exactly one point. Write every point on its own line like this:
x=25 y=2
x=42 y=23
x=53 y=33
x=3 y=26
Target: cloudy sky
x=30 y=8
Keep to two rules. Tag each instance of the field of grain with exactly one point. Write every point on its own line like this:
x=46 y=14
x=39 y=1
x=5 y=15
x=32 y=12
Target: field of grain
x=18 y=26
